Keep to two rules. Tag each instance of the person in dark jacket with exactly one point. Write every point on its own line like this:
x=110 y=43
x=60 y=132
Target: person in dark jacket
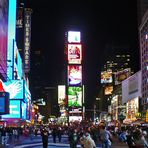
x=44 y=134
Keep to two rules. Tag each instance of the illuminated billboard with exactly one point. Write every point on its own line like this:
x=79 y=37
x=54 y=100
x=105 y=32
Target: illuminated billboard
x=61 y=94
x=122 y=75
x=4 y=103
x=74 y=96
x=74 y=53
x=108 y=90
x=74 y=75
x=106 y=77
x=3 y=37
x=74 y=37
x=11 y=38
x=75 y=118
x=15 y=88
x=15 y=109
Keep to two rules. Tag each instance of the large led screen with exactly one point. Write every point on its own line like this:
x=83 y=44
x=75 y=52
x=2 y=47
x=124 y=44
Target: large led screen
x=3 y=36
x=74 y=75
x=106 y=77
x=15 y=88
x=61 y=94
x=15 y=109
x=74 y=96
x=74 y=53
x=108 y=90
x=74 y=37
x=122 y=75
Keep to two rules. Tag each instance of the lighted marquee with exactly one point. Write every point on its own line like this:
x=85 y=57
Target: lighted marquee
x=74 y=75
x=106 y=77
x=74 y=96
x=74 y=53
x=74 y=37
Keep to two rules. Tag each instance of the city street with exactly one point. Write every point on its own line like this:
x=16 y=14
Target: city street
x=26 y=142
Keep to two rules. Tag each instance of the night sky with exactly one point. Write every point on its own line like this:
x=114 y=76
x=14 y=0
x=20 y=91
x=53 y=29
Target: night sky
x=100 y=23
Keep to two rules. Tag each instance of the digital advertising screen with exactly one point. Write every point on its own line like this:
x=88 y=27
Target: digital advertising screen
x=4 y=5
x=74 y=37
x=24 y=110
x=106 y=77
x=108 y=90
x=74 y=96
x=15 y=109
x=74 y=53
x=75 y=118
x=122 y=75
x=74 y=75
x=15 y=88
x=4 y=103
x=61 y=94
x=11 y=37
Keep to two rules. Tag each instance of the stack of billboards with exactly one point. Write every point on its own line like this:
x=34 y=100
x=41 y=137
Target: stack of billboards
x=74 y=76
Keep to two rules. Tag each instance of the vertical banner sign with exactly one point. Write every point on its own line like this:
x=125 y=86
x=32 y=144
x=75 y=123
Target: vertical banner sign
x=27 y=39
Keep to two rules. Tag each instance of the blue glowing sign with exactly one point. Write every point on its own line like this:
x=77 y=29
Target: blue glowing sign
x=2 y=104
x=11 y=36
x=15 y=88
x=15 y=109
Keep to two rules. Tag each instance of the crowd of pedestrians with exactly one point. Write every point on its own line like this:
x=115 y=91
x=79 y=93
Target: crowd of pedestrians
x=84 y=133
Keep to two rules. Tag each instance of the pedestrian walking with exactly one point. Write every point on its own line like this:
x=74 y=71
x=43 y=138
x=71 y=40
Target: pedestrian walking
x=89 y=142
x=44 y=134
x=105 y=137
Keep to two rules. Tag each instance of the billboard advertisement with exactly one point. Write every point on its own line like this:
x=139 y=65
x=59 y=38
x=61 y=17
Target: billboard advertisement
x=74 y=37
x=108 y=90
x=11 y=38
x=15 y=88
x=74 y=75
x=74 y=53
x=106 y=77
x=75 y=118
x=61 y=94
x=122 y=75
x=15 y=109
x=131 y=87
x=3 y=37
x=24 y=110
x=132 y=107
x=4 y=103
x=74 y=96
